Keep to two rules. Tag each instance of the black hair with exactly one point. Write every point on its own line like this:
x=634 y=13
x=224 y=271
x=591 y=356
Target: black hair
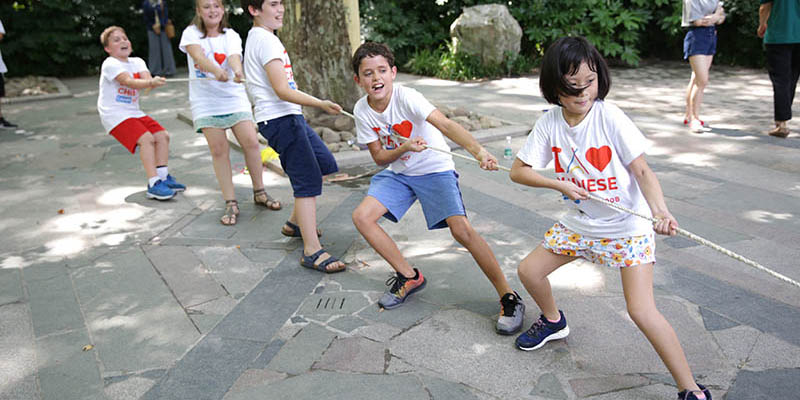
x=564 y=58
x=247 y=3
x=372 y=49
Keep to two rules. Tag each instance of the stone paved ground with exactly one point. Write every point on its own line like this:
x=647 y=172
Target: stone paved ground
x=106 y=295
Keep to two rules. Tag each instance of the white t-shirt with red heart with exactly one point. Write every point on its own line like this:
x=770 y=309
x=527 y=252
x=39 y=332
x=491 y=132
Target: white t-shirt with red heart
x=407 y=114
x=209 y=97
x=116 y=102
x=594 y=155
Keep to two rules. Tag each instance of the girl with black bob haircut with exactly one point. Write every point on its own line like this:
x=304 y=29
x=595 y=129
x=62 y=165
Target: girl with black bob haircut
x=564 y=59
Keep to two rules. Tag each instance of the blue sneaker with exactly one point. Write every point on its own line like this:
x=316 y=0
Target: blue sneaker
x=401 y=288
x=173 y=184
x=510 y=320
x=541 y=332
x=690 y=395
x=160 y=191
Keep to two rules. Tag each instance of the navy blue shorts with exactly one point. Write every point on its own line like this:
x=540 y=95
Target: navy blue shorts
x=438 y=193
x=304 y=157
x=700 y=40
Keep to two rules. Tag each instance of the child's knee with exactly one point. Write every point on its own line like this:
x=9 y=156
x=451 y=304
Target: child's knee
x=146 y=140
x=161 y=137
x=461 y=230
x=218 y=149
x=361 y=216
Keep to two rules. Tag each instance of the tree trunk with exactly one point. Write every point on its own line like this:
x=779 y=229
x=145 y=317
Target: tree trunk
x=316 y=36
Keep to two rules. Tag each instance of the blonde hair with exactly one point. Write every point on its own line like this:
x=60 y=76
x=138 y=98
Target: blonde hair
x=107 y=32
x=198 y=20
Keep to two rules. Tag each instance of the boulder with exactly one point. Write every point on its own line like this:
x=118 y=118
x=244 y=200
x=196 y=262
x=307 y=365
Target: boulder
x=347 y=136
x=489 y=122
x=343 y=123
x=334 y=147
x=330 y=136
x=326 y=120
x=467 y=123
x=487 y=31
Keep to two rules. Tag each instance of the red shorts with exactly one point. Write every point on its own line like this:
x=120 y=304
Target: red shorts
x=129 y=131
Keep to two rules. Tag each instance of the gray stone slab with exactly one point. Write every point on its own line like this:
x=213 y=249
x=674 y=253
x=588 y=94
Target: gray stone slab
x=228 y=266
x=548 y=386
x=378 y=332
x=767 y=384
x=337 y=386
x=354 y=355
x=651 y=392
x=299 y=354
x=54 y=306
x=131 y=387
x=771 y=352
x=714 y=321
x=268 y=258
x=441 y=389
x=255 y=377
x=18 y=352
x=207 y=371
x=321 y=306
x=134 y=320
x=268 y=354
x=347 y=323
x=737 y=343
x=188 y=279
x=409 y=314
x=585 y=387
x=10 y=286
x=66 y=371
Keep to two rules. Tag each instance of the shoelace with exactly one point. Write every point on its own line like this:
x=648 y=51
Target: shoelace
x=535 y=328
x=509 y=305
x=396 y=282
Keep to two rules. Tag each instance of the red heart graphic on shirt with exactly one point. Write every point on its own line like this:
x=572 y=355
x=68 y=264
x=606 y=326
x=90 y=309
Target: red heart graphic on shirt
x=136 y=75
x=599 y=157
x=404 y=128
x=219 y=57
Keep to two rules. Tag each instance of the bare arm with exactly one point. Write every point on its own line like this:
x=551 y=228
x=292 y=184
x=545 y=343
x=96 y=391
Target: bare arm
x=235 y=61
x=458 y=134
x=280 y=84
x=524 y=174
x=205 y=64
x=146 y=81
x=763 y=15
x=719 y=14
x=651 y=189
x=382 y=156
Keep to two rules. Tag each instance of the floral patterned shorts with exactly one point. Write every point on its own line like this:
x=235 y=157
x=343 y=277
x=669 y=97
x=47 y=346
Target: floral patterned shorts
x=617 y=253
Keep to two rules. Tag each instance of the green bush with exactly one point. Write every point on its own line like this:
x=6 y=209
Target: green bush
x=444 y=63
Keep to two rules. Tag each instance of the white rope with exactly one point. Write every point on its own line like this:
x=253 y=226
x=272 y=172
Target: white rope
x=683 y=232
x=176 y=80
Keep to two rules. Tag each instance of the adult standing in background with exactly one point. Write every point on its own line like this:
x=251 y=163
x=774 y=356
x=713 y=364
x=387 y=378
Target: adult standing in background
x=3 y=70
x=779 y=25
x=156 y=18
x=699 y=47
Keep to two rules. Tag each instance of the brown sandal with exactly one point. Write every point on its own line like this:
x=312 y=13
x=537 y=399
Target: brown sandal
x=231 y=211
x=261 y=198
x=779 y=131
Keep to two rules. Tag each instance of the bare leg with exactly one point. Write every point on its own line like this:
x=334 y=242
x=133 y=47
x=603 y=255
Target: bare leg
x=147 y=153
x=162 y=147
x=220 y=157
x=688 y=114
x=637 y=284
x=365 y=218
x=533 y=271
x=465 y=234
x=700 y=66
x=306 y=210
x=246 y=135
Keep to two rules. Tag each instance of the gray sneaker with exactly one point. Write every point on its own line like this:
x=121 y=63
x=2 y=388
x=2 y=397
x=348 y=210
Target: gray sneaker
x=513 y=310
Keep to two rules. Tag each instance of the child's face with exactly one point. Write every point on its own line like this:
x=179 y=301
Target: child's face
x=118 y=45
x=578 y=106
x=375 y=76
x=211 y=11
x=270 y=15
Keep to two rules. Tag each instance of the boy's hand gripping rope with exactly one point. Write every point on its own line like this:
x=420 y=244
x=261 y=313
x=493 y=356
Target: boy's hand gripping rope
x=683 y=232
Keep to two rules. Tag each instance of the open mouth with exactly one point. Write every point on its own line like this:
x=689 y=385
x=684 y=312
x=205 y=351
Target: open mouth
x=377 y=87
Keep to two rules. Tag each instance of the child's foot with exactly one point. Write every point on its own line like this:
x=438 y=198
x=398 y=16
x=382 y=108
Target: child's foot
x=400 y=288
x=160 y=191
x=173 y=184
x=543 y=331
x=695 y=395
x=6 y=124
x=511 y=314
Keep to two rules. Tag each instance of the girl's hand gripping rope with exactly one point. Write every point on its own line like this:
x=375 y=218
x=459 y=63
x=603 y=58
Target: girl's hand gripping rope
x=487 y=160
x=415 y=144
x=665 y=224
x=572 y=191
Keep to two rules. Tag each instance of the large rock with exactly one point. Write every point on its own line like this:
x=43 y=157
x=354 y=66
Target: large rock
x=487 y=31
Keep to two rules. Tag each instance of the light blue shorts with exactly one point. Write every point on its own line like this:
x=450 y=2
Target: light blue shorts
x=438 y=193
x=222 y=121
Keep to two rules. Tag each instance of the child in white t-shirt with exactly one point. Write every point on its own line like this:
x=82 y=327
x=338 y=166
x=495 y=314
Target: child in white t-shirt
x=3 y=69
x=415 y=173
x=304 y=157
x=595 y=148
x=121 y=79
x=214 y=49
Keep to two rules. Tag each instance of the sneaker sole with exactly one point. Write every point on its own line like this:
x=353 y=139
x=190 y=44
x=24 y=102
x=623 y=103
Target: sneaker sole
x=157 y=197
x=178 y=189
x=416 y=289
x=558 y=335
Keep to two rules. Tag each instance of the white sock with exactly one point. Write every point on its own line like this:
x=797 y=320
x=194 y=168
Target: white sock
x=162 y=172
x=152 y=181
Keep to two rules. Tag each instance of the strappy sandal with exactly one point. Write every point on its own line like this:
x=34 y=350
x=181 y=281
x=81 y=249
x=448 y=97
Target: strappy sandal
x=231 y=212
x=309 y=262
x=292 y=230
x=261 y=198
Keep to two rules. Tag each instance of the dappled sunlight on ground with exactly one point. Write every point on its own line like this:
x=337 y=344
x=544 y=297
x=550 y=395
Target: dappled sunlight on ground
x=579 y=274
x=695 y=159
x=764 y=216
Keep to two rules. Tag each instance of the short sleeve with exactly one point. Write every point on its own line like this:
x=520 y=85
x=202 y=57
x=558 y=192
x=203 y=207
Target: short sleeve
x=416 y=104
x=629 y=142
x=190 y=36
x=234 y=42
x=2 y=29
x=268 y=48
x=112 y=68
x=140 y=65
x=537 y=151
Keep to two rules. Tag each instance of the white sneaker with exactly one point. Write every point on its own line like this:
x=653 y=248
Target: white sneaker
x=697 y=127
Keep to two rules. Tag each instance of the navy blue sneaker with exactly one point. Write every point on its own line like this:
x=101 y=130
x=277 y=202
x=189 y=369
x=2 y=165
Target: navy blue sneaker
x=173 y=184
x=690 y=395
x=160 y=191
x=400 y=288
x=541 y=332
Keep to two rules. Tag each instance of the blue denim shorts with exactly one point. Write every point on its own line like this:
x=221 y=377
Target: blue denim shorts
x=700 y=40
x=438 y=193
x=304 y=157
